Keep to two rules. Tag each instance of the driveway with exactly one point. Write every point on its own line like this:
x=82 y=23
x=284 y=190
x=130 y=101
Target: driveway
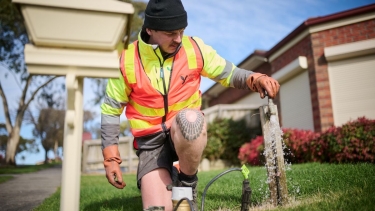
x=27 y=191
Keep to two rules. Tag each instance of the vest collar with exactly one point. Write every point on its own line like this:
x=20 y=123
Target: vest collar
x=147 y=49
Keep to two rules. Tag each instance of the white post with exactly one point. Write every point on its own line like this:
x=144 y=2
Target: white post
x=60 y=46
x=71 y=172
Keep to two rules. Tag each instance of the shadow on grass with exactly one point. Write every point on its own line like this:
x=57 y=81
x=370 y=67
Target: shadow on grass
x=135 y=203
x=116 y=203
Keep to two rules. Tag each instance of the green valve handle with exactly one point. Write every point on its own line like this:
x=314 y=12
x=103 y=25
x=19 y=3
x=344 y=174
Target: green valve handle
x=245 y=171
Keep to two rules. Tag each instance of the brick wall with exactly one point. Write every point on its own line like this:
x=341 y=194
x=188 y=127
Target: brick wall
x=312 y=47
x=319 y=81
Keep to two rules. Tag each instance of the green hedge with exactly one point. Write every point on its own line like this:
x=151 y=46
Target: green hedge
x=225 y=137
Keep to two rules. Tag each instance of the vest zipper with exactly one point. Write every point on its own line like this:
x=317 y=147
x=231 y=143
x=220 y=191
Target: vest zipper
x=165 y=95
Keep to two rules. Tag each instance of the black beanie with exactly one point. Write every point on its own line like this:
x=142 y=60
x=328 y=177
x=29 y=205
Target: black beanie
x=165 y=15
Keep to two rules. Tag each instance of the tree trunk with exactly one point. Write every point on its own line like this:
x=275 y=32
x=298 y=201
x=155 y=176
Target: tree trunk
x=55 y=147
x=46 y=156
x=14 y=132
x=12 y=144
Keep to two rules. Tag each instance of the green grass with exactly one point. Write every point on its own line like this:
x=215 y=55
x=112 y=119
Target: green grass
x=5 y=178
x=311 y=187
x=21 y=169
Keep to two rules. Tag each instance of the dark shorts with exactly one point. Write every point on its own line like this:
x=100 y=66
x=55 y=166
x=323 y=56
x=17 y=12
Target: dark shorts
x=160 y=157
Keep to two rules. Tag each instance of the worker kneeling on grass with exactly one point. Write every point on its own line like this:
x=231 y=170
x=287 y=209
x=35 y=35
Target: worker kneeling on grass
x=159 y=80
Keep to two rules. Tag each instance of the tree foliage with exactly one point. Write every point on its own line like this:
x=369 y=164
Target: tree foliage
x=13 y=38
x=48 y=119
x=49 y=127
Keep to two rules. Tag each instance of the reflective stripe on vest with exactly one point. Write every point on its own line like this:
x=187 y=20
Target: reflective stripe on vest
x=146 y=109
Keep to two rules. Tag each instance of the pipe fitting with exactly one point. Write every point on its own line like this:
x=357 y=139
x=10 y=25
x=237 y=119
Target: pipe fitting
x=271 y=108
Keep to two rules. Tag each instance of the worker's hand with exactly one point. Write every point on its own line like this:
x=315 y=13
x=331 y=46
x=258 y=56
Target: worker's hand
x=262 y=83
x=113 y=174
x=112 y=163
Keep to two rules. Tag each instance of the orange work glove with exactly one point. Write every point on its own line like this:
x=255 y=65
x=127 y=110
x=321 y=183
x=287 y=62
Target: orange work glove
x=112 y=163
x=262 y=83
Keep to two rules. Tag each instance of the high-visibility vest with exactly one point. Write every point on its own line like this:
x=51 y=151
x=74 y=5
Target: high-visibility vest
x=149 y=111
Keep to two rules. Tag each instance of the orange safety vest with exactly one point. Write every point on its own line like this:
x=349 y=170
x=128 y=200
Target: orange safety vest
x=150 y=112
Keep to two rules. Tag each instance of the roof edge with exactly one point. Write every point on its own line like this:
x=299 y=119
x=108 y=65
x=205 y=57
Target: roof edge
x=318 y=20
x=260 y=53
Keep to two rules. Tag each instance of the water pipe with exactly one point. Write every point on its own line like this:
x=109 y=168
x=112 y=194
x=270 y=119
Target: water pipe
x=271 y=108
x=246 y=190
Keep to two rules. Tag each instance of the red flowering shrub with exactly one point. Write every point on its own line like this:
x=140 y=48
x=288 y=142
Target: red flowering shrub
x=352 y=142
x=298 y=145
x=251 y=152
x=296 y=149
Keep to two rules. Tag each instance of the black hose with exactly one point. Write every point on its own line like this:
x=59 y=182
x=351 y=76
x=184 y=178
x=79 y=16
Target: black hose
x=212 y=181
x=246 y=195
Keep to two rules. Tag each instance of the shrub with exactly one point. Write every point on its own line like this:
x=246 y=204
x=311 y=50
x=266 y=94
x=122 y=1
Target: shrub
x=214 y=148
x=352 y=142
x=225 y=137
x=216 y=132
x=251 y=152
x=298 y=145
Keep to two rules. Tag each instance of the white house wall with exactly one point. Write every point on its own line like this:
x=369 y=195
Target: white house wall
x=252 y=99
x=295 y=100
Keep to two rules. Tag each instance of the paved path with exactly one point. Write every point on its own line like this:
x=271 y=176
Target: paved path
x=27 y=191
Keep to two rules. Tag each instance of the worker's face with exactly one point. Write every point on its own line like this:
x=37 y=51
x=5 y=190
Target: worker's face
x=168 y=41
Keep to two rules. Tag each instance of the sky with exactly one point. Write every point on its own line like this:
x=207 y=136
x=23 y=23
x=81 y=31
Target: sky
x=233 y=28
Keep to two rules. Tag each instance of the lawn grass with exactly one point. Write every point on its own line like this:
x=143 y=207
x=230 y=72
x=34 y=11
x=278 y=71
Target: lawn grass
x=311 y=186
x=5 y=178
x=21 y=169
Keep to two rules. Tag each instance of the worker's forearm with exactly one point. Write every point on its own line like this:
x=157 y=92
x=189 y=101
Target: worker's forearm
x=239 y=77
x=110 y=129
